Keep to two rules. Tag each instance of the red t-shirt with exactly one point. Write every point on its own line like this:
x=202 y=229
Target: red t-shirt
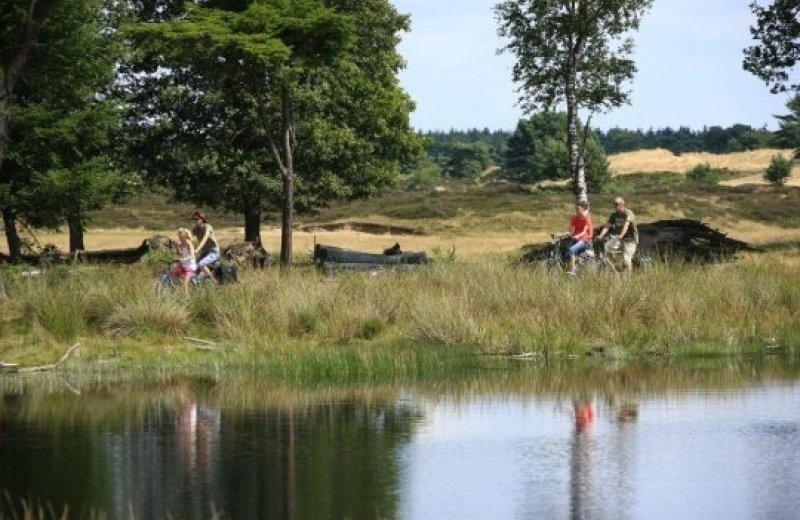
x=580 y=223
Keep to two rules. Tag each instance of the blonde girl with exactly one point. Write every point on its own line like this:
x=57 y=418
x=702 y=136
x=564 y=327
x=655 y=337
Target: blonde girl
x=186 y=266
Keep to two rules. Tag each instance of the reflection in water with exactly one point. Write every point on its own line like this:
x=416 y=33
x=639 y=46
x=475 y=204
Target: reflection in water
x=582 y=492
x=601 y=466
x=509 y=447
x=189 y=460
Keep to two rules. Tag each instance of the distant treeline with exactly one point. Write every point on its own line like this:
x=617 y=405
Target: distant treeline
x=712 y=139
x=490 y=145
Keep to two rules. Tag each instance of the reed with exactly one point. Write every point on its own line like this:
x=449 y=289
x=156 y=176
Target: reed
x=364 y=322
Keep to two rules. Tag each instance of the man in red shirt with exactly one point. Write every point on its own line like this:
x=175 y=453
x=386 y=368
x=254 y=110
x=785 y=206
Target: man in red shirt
x=581 y=230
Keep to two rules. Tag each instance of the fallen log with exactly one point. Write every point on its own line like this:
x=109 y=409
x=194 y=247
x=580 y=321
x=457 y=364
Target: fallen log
x=337 y=255
x=105 y=256
x=14 y=367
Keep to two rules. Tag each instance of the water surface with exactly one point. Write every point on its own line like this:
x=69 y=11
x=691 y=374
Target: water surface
x=667 y=442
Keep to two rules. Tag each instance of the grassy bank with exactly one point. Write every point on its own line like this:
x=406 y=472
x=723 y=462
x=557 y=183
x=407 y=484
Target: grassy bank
x=355 y=325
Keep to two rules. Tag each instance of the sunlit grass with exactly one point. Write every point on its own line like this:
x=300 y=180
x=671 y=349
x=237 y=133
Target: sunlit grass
x=359 y=325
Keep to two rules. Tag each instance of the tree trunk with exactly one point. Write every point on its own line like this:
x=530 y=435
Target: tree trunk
x=5 y=116
x=287 y=219
x=575 y=157
x=252 y=225
x=287 y=174
x=75 y=235
x=12 y=237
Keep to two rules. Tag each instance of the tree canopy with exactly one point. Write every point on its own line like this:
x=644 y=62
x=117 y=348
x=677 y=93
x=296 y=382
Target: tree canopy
x=537 y=151
x=575 y=52
x=777 y=48
x=269 y=88
x=59 y=121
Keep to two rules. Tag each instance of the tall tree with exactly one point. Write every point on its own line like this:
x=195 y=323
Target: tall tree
x=59 y=139
x=20 y=23
x=537 y=151
x=206 y=129
x=777 y=48
x=256 y=57
x=574 y=52
x=788 y=135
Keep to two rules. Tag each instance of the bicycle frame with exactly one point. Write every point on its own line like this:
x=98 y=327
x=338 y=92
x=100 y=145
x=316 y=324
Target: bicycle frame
x=168 y=281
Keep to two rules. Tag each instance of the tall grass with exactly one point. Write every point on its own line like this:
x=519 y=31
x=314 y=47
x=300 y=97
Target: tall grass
x=486 y=306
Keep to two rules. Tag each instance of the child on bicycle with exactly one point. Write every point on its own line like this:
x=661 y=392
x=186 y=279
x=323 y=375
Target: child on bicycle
x=581 y=232
x=187 y=265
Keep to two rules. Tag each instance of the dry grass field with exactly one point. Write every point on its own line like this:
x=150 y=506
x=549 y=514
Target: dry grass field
x=752 y=163
x=476 y=219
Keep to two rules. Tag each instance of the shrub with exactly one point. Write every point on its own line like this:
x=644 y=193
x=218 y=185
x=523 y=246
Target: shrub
x=703 y=173
x=779 y=170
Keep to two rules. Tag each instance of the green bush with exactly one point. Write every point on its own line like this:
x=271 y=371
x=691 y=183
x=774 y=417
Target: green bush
x=779 y=170
x=704 y=173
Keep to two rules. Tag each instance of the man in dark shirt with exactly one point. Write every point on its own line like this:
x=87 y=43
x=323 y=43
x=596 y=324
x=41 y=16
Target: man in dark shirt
x=622 y=226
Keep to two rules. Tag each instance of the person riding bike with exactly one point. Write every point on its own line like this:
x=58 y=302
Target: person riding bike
x=622 y=224
x=581 y=231
x=207 y=246
x=186 y=266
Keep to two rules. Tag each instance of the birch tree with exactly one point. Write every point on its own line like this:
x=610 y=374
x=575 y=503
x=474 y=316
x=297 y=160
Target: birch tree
x=573 y=52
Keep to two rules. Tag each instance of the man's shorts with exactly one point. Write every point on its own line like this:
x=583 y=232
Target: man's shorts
x=208 y=259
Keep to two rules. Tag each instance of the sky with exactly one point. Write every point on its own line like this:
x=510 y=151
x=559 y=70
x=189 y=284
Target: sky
x=688 y=54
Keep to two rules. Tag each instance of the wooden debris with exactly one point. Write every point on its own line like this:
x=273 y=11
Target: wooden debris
x=199 y=340
x=45 y=368
x=107 y=256
x=330 y=258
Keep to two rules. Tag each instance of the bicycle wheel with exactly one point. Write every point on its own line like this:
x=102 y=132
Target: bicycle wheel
x=165 y=284
x=643 y=262
x=550 y=264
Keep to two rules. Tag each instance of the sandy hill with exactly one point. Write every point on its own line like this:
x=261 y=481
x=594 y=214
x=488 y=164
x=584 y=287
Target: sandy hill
x=659 y=160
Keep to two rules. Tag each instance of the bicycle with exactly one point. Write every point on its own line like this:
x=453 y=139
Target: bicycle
x=612 y=249
x=588 y=260
x=168 y=282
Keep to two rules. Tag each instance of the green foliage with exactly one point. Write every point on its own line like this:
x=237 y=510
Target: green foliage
x=58 y=165
x=788 y=135
x=779 y=169
x=208 y=138
x=577 y=53
x=703 y=173
x=440 y=144
x=467 y=160
x=777 y=33
x=371 y=327
x=425 y=176
x=554 y=41
x=537 y=151
x=714 y=139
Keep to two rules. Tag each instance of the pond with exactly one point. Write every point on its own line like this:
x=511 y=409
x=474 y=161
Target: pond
x=714 y=441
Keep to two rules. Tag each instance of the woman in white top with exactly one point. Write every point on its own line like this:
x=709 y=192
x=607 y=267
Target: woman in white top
x=207 y=245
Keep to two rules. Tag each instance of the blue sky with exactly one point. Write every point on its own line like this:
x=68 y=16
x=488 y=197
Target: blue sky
x=688 y=52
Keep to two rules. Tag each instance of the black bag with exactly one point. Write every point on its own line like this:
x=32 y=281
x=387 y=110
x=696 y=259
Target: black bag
x=226 y=274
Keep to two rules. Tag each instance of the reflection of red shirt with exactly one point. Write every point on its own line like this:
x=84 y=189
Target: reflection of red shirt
x=584 y=416
x=578 y=223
